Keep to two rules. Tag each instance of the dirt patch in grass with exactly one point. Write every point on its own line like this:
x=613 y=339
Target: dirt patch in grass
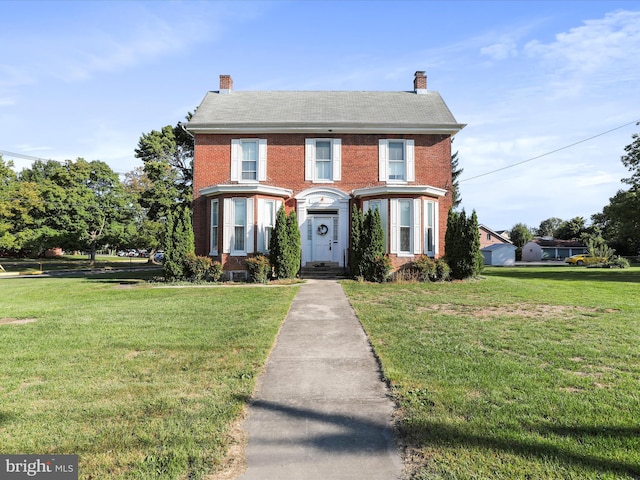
x=16 y=321
x=235 y=462
x=515 y=309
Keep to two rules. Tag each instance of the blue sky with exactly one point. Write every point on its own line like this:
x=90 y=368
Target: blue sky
x=87 y=79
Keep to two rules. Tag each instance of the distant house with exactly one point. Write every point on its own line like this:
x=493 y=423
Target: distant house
x=499 y=254
x=549 y=249
x=492 y=237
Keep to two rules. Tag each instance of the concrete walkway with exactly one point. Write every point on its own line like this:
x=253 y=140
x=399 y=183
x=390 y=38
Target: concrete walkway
x=321 y=411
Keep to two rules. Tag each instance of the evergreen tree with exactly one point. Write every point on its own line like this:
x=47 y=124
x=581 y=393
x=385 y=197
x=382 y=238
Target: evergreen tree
x=355 y=257
x=278 y=243
x=456 y=198
x=179 y=242
x=372 y=243
x=462 y=245
x=294 y=252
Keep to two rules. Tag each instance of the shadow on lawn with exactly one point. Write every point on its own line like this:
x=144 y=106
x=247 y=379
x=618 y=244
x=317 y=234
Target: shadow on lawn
x=437 y=434
x=578 y=274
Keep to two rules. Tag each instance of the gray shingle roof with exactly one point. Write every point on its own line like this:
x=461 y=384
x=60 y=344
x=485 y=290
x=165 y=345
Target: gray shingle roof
x=306 y=110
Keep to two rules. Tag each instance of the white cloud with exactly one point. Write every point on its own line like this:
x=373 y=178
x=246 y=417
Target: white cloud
x=500 y=51
x=608 y=44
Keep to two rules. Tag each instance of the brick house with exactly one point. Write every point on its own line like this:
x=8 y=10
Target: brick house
x=320 y=152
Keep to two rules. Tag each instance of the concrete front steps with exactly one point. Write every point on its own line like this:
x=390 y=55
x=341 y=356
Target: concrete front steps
x=324 y=270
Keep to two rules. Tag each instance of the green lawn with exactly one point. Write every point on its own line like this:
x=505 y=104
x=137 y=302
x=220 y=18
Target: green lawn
x=528 y=373
x=142 y=382
x=71 y=262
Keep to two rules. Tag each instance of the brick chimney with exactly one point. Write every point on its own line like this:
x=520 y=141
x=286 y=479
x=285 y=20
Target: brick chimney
x=420 y=82
x=226 y=84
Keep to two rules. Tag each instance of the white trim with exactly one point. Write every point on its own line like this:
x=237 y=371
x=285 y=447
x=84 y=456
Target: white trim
x=248 y=189
x=450 y=129
x=336 y=153
x=417 y=226
x=262 y=160
x=409 y=160
x=215 y=207
x=383 y=163
x=427 y=190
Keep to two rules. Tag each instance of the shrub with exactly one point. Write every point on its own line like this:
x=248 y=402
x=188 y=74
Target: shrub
x=284 y=246
x=379 y=269
x=215 y=272
x=259 y=268
x=443 y=271
x=196 y=268
x=613 y=262
x=462 y=245
x=426 y=268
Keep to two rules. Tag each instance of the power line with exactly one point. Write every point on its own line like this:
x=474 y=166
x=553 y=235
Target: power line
x=26 y=157
x=551 y=152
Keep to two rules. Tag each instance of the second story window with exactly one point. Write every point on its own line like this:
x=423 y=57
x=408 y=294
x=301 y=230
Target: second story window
x=323 y=159
x=248 y=160
x=396 y=161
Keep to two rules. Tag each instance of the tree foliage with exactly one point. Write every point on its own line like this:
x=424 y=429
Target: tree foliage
x=620 y=219
x=368 y=259
x=571 y=229
x=456 y=171
x=520 y=235
x=284 y=246
x=549 y=227
x=178 y=244
x=462 y=245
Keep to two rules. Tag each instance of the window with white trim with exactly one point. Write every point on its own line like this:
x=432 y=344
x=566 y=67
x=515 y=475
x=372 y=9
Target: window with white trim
x=323 y=159
x=429 y=228
x=396 y=162
x=249 y=169
x=404 y=226
x=248 y=160
x=239 y=227
x=239 y=224
x=215 y=213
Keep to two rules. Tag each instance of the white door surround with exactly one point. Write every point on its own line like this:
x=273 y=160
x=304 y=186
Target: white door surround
x=323 y=219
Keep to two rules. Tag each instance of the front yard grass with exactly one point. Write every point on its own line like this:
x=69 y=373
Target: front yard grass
x=529 y=373
x=141 y=382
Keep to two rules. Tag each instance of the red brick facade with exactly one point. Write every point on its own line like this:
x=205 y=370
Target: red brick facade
x=413 y=207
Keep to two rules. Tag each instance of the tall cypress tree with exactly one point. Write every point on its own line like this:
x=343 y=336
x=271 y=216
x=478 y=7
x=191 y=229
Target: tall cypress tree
x=179 y=241
x=462 y=245
x=294 y=252
x=355 y=256
x=278 y=244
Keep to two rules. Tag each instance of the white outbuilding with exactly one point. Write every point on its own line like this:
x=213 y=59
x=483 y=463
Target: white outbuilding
x=499 y=254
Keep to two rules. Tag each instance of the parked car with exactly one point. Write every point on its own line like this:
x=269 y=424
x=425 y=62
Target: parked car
x=583 y=259
x=121 y=253
x=159 y=256
x=133 y=253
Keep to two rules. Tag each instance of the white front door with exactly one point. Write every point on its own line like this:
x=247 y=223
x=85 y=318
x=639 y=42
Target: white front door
x=324 y=241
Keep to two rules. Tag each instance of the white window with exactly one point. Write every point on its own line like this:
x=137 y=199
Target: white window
x=248 y=160
x=238 y=226
x=430 y=227
x=323 y=158
x=267 y=211
x=396 y=162
x=406 y=226
x=215 y=205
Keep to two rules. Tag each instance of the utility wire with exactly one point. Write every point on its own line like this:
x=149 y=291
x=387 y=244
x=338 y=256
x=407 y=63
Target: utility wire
x=637 y=122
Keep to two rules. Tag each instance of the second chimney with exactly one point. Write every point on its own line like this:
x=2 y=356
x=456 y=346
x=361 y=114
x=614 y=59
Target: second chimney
x=226 y=84
x=420 y=82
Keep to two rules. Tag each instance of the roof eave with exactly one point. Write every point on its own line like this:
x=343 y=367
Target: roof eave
x=448 y=129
